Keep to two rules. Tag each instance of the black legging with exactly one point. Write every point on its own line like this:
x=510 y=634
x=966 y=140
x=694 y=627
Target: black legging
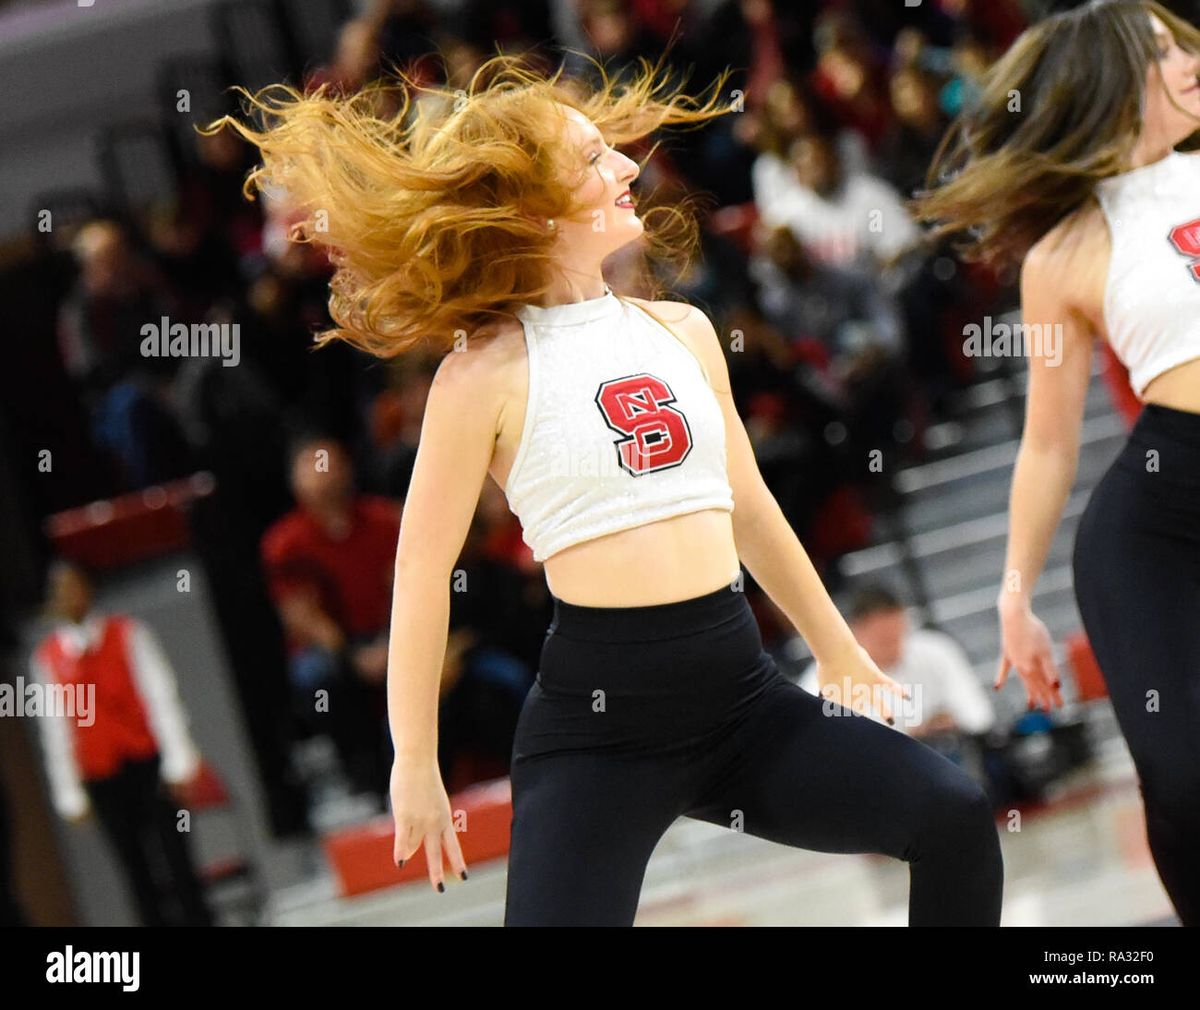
x=640 y=715
x=1137 y=581
x=139 y=818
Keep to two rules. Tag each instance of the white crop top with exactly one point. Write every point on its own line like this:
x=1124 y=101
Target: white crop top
x=1152 y=295
x=621 y=427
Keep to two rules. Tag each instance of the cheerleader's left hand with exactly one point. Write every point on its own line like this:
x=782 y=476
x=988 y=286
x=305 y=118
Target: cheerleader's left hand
x=853 y=681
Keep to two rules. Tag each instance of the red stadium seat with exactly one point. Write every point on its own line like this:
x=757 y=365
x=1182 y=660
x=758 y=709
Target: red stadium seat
x=130 y=528
x=361 y=856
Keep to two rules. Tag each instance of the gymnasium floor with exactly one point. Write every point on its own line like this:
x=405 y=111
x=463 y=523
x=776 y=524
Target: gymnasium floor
x=1081 y=861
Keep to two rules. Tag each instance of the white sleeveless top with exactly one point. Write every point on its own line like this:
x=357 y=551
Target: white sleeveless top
x=1152 y=295
x=621 y=427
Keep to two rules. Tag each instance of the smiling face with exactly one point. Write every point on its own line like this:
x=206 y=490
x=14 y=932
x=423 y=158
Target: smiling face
x=1179 y=69
x=607 y=218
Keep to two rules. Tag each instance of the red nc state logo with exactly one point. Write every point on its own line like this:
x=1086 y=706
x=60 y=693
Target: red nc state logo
x=655 y=434
x=1186 y=240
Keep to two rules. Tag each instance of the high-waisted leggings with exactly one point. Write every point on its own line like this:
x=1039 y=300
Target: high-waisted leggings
x=640 y=715
x=1137 y=581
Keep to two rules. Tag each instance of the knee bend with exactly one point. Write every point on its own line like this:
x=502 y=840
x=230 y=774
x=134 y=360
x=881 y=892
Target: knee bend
x=960 y=809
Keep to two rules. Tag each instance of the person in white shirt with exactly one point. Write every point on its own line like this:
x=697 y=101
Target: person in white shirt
x=125 y=751
x=845 y=218
x=947 y=697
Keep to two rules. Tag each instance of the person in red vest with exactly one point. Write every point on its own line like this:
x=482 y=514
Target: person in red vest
x=130 y=757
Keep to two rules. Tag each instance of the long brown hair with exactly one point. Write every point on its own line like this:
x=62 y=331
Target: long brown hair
x=431 y=216
x=1060 y=110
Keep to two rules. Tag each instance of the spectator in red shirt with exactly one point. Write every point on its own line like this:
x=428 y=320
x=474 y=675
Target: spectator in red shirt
x=328 y=565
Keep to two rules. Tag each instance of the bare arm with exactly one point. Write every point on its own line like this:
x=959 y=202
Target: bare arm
x=458 y=436
x=1046 y=462
x=1049 y=453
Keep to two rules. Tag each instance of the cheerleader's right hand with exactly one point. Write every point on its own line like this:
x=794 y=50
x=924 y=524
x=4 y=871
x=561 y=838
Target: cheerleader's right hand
x=422 y=816
x=1026 y=645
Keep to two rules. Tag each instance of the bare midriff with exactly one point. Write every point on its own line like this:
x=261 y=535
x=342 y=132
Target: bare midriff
x=660 y=562
x=1178 y=387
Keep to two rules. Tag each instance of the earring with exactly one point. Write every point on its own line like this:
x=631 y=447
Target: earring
x=550 y=223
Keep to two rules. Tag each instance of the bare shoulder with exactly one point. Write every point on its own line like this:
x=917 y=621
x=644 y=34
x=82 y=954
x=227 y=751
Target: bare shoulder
x=479 y=376
x=498 y=343
x=683 y=313
x=1070 y=263
x=1071 y=241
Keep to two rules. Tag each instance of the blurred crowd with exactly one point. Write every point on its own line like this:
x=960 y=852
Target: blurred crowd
x=844 y=333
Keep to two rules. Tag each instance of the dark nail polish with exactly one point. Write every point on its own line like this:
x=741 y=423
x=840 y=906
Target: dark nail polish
x=463 y=874
x=400 y=865
x=441 y=887
x=891 y=722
